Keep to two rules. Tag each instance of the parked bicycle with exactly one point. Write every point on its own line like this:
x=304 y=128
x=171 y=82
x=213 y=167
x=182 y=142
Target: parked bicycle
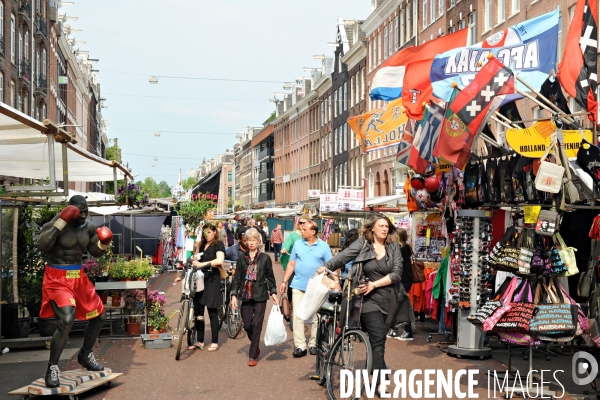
x=225 y=298
x=345 y=348
x=234 y=316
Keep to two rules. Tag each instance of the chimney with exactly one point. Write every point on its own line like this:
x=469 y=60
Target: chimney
x=307 y=86
x=279 y=109
x=116 y=142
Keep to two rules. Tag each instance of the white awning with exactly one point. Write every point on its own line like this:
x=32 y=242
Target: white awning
x=273 y=210
x=390 y=200
x=24 y=153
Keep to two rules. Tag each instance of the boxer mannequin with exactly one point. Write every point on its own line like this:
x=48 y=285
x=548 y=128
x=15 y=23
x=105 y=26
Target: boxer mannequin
x=67 y=293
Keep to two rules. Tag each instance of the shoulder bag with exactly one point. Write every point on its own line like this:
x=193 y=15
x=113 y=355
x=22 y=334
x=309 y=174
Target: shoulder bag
x=549 y=176
x=555 y=318
x=418 y=268
x=567 y=255
x=521 y=311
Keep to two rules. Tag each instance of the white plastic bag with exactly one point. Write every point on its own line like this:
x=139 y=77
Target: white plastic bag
x=315 y=296
x=199 y=276
x=276 y=332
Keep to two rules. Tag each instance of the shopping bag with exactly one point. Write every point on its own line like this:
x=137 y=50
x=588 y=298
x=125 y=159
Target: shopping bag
x=314 y=297
x=567 y=255
x=276 y=332
x=491 y=321
x=521 y=312
x=556 y=318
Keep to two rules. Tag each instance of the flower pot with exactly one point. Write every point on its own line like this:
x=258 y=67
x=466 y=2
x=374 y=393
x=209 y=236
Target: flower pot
x=116 y=300
x=104 y=297
x=47 y=326
x=133 y=328
x=102 y=279
x=163 y=329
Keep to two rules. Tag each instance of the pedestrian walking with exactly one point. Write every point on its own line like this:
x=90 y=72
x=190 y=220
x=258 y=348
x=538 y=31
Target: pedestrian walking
x=382 y=269
x=222 y=233
x=276 y=241
x=307 y=255
x=229 y=231
x=406 y=281
x=213 y=255
x=253 y=283
x=233 y=252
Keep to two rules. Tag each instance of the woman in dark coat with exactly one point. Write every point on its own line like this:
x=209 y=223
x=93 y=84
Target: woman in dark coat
x=253 y=283
x=382 y=266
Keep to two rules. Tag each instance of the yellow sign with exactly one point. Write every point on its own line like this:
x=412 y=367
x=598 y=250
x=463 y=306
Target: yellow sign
x=91 y=314
x=380 y=128
x=73 y=274
x=532 y=142
x=531 y=214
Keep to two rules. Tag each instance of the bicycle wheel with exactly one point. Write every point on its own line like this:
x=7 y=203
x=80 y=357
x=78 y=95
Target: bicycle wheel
x=191 y=327
x=352 y=352
x=224 y=303
x=234 y=320
x=181 y=325
x=324 y=339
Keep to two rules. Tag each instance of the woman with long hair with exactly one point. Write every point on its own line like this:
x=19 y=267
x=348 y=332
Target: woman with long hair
x=381 y=262
x=212 y=254
x=253 y=283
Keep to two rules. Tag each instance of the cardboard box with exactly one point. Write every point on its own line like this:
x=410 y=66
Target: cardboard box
x=163 y=341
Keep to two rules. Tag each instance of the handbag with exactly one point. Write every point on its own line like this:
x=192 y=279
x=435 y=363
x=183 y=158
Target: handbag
x=567 y=255
x=554 y=319
x=520 y=339
x=508 y=257
x=286 y=308
x=497 y=249
x=558 y=266
x=567 y=299
x=488 y=308
x=548 y=223
x=418 y=268
x=490 y=322
x=521 y=311
x=549 y=176
x=526 y=240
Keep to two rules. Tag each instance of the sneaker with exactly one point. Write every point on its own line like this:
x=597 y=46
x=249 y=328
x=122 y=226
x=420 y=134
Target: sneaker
x=52 y=376
x=88 y=361
x=393 y=334
x=406 y=336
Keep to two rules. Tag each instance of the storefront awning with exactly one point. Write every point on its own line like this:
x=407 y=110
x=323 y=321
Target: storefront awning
x=24 y=152
x=389 y=200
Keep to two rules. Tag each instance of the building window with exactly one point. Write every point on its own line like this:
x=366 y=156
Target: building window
x=472 y=38
x=229 y=192
x=396 y=34
x=43 y=112
x=12 y=38
x=385 y=43
x=44 y=63
x=20 y=49
x=452 y=3
x=26 y=47
x=452 y=29
x=462 y=24
x=229 y=176
x=2 y=19
x=375 y=50
x=402 y=27
x=335 y=104
x=500 y=132
x=432 y=12
x=488 y=15
x=516 y=6
x=379 y=49
x=345 y=96
x=362 y=85
x=345 y=138
x=414 y=17
x=1 y=87
x=501 y=10
x=440 y=8
x=12 y=94
x=425 y=11
x=371 y=55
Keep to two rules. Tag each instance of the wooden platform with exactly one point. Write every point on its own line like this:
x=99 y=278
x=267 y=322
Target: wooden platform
x=72 y=383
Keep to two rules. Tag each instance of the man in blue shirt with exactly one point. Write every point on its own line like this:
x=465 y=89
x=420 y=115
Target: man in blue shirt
x=307 y=255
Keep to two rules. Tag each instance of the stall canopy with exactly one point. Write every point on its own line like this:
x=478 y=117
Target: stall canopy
x=387 y=200
x=24 y=152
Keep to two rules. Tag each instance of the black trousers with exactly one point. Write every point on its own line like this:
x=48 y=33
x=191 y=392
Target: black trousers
x=253 y=315
x=214 y=322
x=374 y=324
x=408 y=326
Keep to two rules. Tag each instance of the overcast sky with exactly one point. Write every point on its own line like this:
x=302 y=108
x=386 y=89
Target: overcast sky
x=268 y=40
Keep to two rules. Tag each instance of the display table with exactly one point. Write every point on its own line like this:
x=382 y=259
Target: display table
x=126 y=285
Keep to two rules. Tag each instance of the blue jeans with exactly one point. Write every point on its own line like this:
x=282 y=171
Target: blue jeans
x=277 y=251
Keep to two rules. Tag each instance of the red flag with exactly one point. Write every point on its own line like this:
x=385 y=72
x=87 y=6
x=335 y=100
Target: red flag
x=417 y=88
x=578 y=71
x=468 y=110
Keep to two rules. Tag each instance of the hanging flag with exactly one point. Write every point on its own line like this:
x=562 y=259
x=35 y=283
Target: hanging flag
x=528 y=48
x=380 y=128
x=388 y=80
x=428 y=134
x=417 y=88
x=578 y=71
x=468 y=110
x=407 y=139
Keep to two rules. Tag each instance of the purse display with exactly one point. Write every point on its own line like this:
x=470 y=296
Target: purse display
x=567 y=255
x=554 y=319
x=521 y=311
x=526 y=240
x=548 y=223
x=549 y=175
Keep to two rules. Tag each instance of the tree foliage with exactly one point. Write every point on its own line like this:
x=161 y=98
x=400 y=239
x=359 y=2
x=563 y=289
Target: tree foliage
x=189 y=183
x=194 y=212
x=155 y=190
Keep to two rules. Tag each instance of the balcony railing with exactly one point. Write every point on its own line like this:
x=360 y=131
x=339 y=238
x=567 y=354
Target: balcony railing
x=25 y=70
x=267 y=174
x=42 y=84
x=42 y=26
x=25 y=7
x=265 y=153
x=262 y=197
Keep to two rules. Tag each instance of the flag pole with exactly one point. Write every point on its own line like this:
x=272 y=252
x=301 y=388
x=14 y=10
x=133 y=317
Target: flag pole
x=553 y=106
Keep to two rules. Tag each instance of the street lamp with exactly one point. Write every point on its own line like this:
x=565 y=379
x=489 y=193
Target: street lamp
x=154 y=80
x=157 y=133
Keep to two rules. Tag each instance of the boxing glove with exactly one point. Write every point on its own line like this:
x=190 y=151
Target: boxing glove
x=68 y=213
x=105 y=237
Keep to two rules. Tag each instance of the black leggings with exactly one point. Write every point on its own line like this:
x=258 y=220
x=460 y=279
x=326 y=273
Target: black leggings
x=214 y=322
x=374 y=324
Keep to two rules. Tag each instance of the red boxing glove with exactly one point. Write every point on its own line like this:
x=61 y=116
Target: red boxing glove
x=67 y=214
x=105 y=235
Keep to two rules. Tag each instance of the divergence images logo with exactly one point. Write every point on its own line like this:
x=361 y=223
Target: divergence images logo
x=581 y=364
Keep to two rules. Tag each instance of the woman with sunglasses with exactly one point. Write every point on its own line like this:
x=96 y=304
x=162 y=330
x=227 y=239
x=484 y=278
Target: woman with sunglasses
x=382 y=266
x=212 y=254
x=253 y=283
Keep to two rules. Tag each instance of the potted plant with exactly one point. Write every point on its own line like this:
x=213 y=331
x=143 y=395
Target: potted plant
x=157 y=320
x=142 y=270
x=118 y=269
x=94 y=271
x=134 y=303
x=136 y=196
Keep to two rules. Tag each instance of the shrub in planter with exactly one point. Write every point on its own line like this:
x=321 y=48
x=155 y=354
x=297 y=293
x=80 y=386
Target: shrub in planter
x=118 y=269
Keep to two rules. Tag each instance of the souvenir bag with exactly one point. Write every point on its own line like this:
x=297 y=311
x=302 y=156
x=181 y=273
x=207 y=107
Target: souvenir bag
x=570 y=192
x=537 y=261
x=550 y=175
x=520 y=339
x=497 y=249
x=488 y=308
x=490 y=322
x=567 y=255
x=521 y=311
x=554 y=318
x=505 y=180
x=482 y=195
x=548 y=223
x=471 y=178
x=518 y=185
x=526 y=239
x=581 y=321
x=508 y=258
x=558 y=266
x=531 y=193
x=492 y=181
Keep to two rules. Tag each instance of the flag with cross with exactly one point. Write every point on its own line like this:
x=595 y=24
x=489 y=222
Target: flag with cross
x=578 y=71
x=468 y=110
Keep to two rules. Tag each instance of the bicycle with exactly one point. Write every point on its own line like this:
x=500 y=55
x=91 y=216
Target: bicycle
x=234 y=317
x=225 y=297
x=351 y=349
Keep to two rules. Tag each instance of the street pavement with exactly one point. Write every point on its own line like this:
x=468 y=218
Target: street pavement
x=225 y=374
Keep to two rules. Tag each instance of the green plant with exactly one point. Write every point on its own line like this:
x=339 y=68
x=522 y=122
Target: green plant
x=135 y=195
x=156 y=312
x=134 y=303
x=194 y=212
x=118 y=269
x=141 y=269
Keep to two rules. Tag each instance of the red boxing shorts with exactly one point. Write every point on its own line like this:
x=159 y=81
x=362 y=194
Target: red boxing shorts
x=70 y=288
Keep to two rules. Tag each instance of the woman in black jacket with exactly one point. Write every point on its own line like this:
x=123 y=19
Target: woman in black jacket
x=253 y=282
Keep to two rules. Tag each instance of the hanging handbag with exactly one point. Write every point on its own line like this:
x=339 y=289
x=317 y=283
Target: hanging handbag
x=520 y=339
x=521 y=311
x=558 y=266
x=488 y=308
x=548 y=223
x=508 y=257
x=549 y=175
x=418 y=268
x=567 y=255
x=554 y=319
x=574 y=306
x=497 y=249
x=490 y=322
x=526 y=239
x=223 y=273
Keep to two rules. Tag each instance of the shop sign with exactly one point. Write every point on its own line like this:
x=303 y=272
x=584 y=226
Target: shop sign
x=329 y=202
x=351 y=199
x=63 y=80
x=314 y=193
x=532 y=142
